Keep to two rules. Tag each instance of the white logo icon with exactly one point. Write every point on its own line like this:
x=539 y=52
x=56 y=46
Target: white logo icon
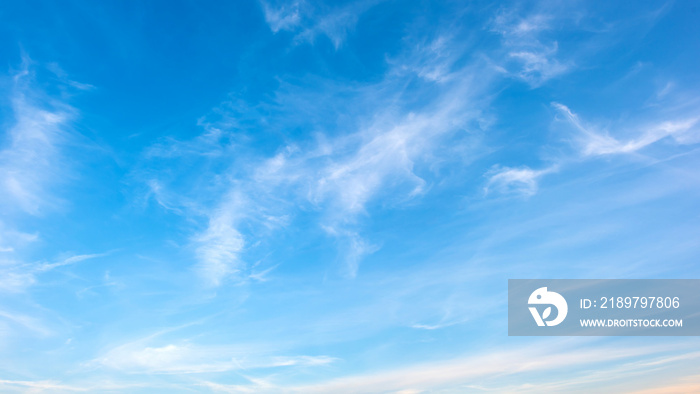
x=543 y=297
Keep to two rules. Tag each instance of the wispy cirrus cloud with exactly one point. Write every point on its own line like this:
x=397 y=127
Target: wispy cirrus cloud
x=388 y=153
x=34 y=161
x=522 y=181
x=358 y=141
x=39 y=386
x=189 y=358
x=17 y=276
x=12 y=239
x=499 y=371
x=535 y=58
x=27 y=323
x=591 y=141
x=512 y=26
x=31 y=158
x=89 y=386
x=308 y=20
x=220 y=245
x=595 y=141
x=471 y=372
x=283 y=15
x=537 y=66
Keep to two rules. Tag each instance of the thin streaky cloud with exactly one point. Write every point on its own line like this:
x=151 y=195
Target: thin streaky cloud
x=188 y=358
x=18 y=276
x=340 y=176
x=284 y=16
x=39 y=386
x=27 y=322
x=533 y=58
x=32 y=160
x=308 y=20
x=594 y=142
x=69 y=261
x=301 y=196
x=219 y=246
x=457 y=373
x=522 y=181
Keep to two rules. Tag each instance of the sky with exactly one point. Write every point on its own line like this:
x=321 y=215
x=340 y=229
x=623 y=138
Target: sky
x=314 y=197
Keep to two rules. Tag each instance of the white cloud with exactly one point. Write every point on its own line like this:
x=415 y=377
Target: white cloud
x=511 y=26
x=687 y=384
x=488 y=370
x=340 y=174
x=308 y=20
x=68 y=261
x=89 y=386
x=219 y=246
x=539 y=66
x=522 y=181
x=27 y=323
x=38 y=386
x=435 y=62
x=335 y=25
x=536 y=60
x=345 y=174
x=32 y=160
x=353 y=180
x=63 y=76
x=14 y=278
x=592 y=141
x=257 y=386
x=17 y=276
x=11 y=239
x=283 y=16
x=188 y=358
x=354 y=248
x=595 y=142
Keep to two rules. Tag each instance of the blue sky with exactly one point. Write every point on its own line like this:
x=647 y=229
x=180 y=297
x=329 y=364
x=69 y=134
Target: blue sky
x=298 y=196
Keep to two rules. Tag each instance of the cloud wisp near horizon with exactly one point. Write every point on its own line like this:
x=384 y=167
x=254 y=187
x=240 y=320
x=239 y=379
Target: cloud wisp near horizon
x=295 y=196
